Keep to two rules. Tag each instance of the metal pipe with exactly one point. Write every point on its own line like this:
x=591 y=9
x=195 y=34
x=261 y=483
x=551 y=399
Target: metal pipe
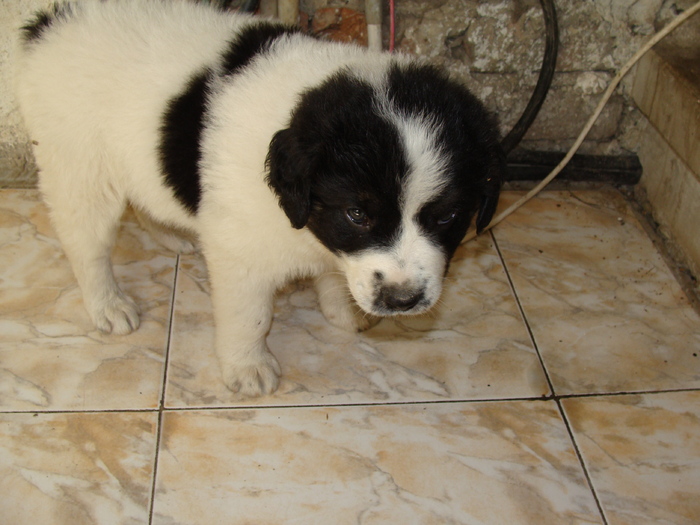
x=373 y=14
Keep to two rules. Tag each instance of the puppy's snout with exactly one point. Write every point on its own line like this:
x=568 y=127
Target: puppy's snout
x=399 y=299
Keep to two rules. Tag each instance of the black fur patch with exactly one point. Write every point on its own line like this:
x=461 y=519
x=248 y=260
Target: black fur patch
x=180 y=142
x=339 y=154
x=43 y=20
x=468 y=135
x=252 y=41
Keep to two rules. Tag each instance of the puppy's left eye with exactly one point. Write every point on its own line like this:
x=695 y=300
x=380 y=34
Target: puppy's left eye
x=357 y=217
x=446 y=219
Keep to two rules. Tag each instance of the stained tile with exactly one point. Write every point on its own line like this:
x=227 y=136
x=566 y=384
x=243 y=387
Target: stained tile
x=474 y=345
x=605 y=310
x=643 y=455
x=499 y=462
x=51 y=357
x=75 y=469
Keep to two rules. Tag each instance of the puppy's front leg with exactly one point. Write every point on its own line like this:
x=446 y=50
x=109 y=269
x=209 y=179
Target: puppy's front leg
x=338 y=307
x=243 y=313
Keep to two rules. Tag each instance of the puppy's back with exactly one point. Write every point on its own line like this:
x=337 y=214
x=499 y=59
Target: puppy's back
x=90 y=58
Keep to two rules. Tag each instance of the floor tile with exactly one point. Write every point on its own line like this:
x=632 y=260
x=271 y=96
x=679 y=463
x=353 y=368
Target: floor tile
x=51 y=357
x=474 y=345
x=605 y=310
x=370 y=427
x=487 y=463
x=643 y=455
x=76 y=469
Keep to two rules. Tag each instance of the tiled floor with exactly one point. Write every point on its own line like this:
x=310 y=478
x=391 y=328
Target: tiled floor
x=557 y=383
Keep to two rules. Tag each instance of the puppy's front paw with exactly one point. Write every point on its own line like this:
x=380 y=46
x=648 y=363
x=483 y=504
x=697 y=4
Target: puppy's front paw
x=118 y=314
x=347 y=316
x=365 y=321
x=253 y=377
x=338 y=307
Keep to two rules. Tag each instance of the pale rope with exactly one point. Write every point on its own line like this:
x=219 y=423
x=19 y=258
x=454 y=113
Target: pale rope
x=608 y=93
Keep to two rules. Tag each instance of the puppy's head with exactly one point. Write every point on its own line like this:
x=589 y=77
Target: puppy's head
x=388 y=177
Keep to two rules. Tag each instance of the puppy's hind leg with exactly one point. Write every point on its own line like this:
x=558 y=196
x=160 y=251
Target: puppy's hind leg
x=85 y=213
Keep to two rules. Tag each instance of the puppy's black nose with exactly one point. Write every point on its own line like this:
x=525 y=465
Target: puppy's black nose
x=400 y=300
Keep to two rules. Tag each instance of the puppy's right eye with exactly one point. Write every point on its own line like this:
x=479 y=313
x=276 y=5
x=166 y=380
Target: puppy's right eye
x=357 y=217
x=446 y=219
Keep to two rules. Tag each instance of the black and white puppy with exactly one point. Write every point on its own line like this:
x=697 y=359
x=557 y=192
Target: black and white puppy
x=284 y=155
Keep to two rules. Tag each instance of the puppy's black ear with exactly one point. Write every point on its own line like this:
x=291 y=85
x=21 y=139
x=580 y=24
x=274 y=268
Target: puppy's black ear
x=492 y=188
x=290 y=176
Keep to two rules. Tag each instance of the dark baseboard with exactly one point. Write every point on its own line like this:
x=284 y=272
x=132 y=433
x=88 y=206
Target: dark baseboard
x=620 y=170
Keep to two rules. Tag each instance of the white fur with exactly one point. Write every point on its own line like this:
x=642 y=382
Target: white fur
x=93 y=94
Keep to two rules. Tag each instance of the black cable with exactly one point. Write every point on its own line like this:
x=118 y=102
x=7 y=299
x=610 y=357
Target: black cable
x=249 y=6
x=246 y=6
x=549 y=62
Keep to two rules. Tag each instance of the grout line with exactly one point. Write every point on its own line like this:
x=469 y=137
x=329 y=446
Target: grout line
x=354 y=405
x=92 y=411
x=161 y=405
x=581 y=461
x=359 y=404
x=168 y=341
x=555 y=397
x=522 y=314
x=151 y=503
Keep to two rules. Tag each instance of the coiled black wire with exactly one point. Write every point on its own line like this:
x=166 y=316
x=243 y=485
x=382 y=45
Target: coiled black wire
x=549 y=63
x=249 y=6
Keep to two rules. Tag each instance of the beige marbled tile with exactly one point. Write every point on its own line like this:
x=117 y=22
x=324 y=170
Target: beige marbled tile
x=76 y=469
x=474 y=345
x=487 y=463
x=51 y=357
x=605 y=310
x=643 y=455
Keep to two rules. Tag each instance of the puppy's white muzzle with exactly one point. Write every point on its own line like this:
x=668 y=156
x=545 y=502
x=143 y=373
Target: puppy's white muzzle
x=383 y=284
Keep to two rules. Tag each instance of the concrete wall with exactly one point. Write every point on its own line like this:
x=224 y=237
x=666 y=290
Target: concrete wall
x=494 y=45
x=16 y=163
